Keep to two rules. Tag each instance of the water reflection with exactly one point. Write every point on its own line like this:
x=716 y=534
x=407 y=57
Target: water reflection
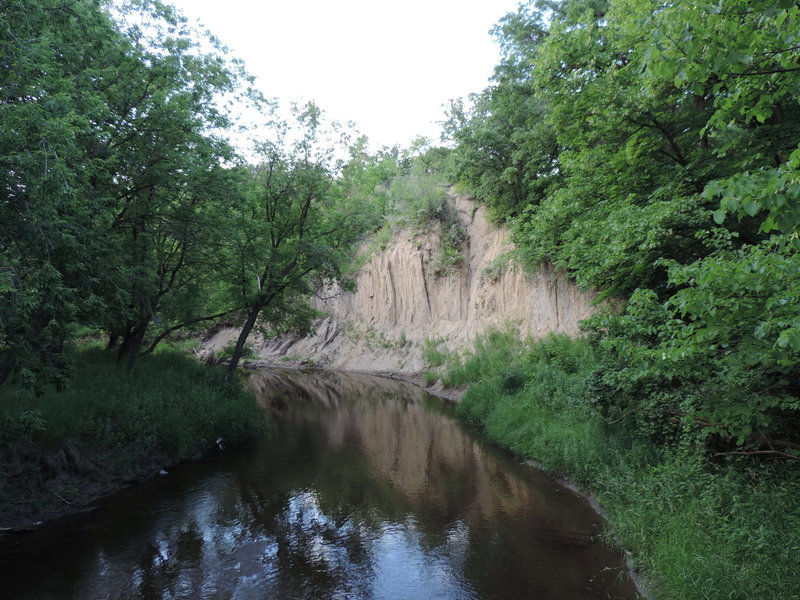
x=366 y=488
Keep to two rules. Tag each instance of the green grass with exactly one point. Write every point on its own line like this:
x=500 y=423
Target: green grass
x=120 y=425
x=697 y=529
x=432 y=353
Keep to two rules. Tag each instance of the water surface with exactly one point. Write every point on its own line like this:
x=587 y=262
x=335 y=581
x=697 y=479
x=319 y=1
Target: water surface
x=365 y=488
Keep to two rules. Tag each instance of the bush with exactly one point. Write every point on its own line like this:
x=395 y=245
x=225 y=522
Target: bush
x=719 y=352
x=697 y=529
x=226 y=352
x=432 y=354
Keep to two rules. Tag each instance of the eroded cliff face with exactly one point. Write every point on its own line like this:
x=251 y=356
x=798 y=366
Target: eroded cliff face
x=400 y=302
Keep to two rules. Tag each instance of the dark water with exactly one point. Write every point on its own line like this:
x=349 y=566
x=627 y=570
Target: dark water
x=366 y=488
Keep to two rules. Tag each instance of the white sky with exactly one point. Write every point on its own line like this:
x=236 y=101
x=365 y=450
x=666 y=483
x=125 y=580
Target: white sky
x=388 y=66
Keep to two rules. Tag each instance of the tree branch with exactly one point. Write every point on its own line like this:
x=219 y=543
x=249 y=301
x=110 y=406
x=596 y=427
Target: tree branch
x=169 y=330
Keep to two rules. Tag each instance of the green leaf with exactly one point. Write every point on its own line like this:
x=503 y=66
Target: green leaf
x=751 y=208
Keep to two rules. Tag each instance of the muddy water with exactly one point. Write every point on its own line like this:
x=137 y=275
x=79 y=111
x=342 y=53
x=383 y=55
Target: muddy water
x=365 y=488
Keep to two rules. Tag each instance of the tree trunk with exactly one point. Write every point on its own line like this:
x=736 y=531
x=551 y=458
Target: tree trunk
x=135 y=348
x=6 y=368
x=113 y=338
x=131 y=345
x=252 y=316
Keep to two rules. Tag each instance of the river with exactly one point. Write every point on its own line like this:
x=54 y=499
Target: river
x=364 y=488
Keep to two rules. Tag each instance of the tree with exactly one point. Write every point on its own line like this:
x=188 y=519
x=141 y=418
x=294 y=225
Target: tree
x=169 y=193
x=52 y=101
x=674 y=183
x=296 y=230
x=113 y=189
x=506 y=152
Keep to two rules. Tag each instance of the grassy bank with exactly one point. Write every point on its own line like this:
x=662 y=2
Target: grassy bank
x=60 y=450
x=698 y=528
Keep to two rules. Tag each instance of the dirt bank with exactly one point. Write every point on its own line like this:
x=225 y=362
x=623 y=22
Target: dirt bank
x=400 y=302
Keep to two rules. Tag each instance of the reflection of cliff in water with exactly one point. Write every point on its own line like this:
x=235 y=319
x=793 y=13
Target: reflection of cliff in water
x=363 y=489
x=411 y=440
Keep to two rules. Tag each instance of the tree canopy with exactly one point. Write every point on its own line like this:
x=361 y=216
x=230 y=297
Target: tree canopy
x=124 y=206
x=651 y=151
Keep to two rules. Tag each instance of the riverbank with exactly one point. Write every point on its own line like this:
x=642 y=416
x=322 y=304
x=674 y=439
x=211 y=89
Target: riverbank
x=61 y=451
x=696 y=528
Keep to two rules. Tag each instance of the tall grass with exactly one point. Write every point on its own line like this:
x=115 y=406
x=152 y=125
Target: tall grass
x=697 y=529
x=117 y=425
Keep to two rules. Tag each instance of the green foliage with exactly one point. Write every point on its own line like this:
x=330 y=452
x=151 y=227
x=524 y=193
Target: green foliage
x=416 y=201
x=774 y=191
x=709 y=532
x=169 y=405
x=505 y=151
x=226 y=352
x=435 y=358
x=630 y=130
x=119 y=425
x=742 y=54
x=725 y=344
x=430 y=378
x=407 y=190
x=650 y=151
x=697 y=529
x=494 y=350
x=296 y=228
x=420 y=202
x=112 y=184
x=21 y=426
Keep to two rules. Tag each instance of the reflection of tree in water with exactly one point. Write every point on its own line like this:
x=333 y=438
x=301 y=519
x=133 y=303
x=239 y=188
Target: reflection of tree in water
x=310 y=553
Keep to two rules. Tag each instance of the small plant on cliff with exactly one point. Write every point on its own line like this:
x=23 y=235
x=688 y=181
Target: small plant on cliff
x=435 y=357
x=494 y=271
x=431 y=352
x=452 y=236
x=226 y=352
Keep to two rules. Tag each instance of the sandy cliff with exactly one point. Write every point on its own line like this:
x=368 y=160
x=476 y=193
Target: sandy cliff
x=399 y=303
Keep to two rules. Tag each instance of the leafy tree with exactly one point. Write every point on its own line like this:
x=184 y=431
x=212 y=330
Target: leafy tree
x=169 y=193
x=506 y=152
x=741 y=59
x=113 y=189
x=52 y=100
x=667 y=170
x=297 y=232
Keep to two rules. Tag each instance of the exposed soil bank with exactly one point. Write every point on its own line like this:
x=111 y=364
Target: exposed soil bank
x=401 y=301
x=63 y=450
x=44 y=484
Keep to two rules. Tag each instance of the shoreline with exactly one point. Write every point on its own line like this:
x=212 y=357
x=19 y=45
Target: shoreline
x=454 y=396
x=156 y=468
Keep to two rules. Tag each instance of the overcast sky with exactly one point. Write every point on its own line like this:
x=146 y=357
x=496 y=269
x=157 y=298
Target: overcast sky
x=388 y=66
